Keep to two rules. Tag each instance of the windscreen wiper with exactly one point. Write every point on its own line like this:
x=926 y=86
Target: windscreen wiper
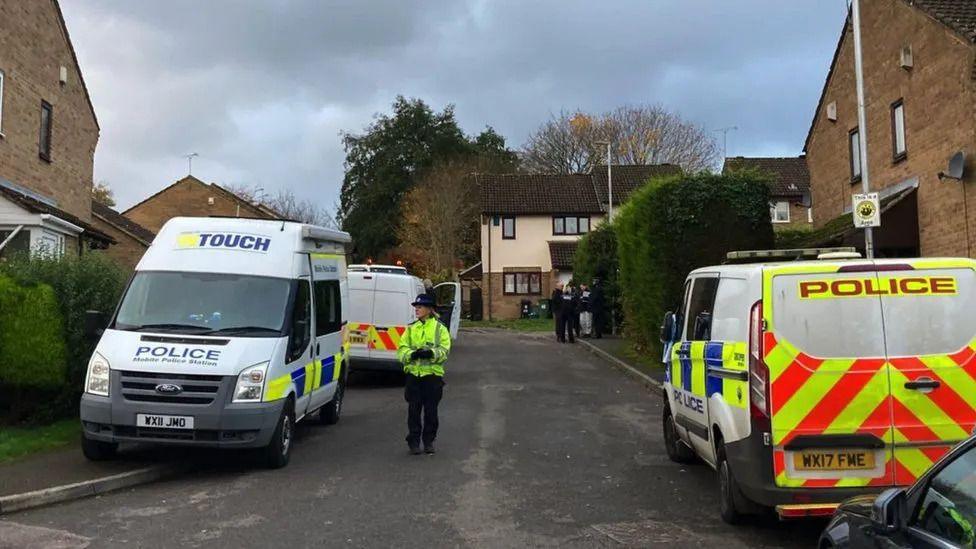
x=170 y=326
x=239 y=330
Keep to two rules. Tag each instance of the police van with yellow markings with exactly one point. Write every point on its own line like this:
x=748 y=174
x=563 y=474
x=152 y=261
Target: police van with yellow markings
x=804 y=383
x=229 y=332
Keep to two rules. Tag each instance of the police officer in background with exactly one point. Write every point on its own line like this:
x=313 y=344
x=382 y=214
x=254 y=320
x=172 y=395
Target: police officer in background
x=423 y=351
x=556 y=306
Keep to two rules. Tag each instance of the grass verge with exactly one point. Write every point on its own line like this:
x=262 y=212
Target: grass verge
x=520 y=324
x=16 y=442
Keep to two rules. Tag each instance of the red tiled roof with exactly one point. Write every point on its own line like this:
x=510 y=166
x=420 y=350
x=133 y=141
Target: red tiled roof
x=790 y=175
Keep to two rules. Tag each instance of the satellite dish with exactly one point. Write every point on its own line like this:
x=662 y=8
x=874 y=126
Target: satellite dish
x=957 y=166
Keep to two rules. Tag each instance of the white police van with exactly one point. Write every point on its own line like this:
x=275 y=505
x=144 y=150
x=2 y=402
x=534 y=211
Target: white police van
x=804 y=383
x=229 y=332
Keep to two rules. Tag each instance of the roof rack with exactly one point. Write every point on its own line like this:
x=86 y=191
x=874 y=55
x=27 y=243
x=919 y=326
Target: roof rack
x=794 y=254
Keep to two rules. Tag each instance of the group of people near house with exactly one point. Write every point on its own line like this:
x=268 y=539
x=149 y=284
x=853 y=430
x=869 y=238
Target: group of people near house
x=578 y=310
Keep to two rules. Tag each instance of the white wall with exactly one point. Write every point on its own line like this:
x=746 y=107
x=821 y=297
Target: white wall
x=530 y=248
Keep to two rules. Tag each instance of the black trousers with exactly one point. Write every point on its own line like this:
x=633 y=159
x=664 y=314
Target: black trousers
x=565 y=325
x=423 y=394
x=598 y=321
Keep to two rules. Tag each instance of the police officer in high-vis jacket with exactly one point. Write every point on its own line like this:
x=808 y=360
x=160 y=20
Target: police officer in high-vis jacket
x=423 y=351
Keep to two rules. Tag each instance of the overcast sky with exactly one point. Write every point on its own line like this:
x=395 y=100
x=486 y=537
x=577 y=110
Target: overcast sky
x=261 y=89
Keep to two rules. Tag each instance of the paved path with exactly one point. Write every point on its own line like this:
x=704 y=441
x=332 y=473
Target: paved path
x=541 y=445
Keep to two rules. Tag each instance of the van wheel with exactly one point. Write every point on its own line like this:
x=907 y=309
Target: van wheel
x=97 y=450
x=678 y=451
x=330 y=413
x=278 y=451
x=729 y=495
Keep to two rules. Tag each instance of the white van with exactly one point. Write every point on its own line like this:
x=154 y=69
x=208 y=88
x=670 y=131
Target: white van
x=804 y=383
x=380 y=310
x=229 y=332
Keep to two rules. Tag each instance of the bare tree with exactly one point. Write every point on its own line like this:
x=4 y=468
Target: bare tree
x=440 y=214
x=639 y=134
x=287 y=205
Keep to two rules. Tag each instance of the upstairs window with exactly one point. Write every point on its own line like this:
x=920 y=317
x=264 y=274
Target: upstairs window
x=779 y=212
x=898 y=144
x=855 y=147
x=44 y=142
x=570 y=225
x=508 y=227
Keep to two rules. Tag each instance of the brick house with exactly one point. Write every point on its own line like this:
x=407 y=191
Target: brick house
x=789 y=188
x=48 y=134
x=920 y=84
x=194 y=198
x=131 y=239
x=530 y=225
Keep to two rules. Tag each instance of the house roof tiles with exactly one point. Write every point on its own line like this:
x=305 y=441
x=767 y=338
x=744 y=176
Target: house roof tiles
x=34 y=205
x=562 y=253
x=790 y=175
x=627 y=179
x=122 y=223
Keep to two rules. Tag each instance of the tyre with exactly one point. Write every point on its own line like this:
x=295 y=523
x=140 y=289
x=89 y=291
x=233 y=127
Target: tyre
x=278 y=451
x=729 y=494
x=678 y=451
x=96 y=450
x=330 y=413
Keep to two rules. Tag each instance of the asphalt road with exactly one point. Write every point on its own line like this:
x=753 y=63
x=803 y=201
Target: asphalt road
x=540 y=445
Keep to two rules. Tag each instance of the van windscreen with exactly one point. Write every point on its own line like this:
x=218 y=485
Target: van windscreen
x=205 y=303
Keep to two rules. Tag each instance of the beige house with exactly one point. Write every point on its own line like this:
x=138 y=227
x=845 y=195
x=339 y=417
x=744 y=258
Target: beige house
x=530 y=225
x=48 y=134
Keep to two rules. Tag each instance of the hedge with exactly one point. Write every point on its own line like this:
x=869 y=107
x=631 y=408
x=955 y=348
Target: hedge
x=78 y=283
x=676 y=224
x=32 y=350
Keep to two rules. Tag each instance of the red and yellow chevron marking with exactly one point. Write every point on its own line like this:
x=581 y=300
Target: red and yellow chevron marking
x=383 y=338
x=813 y=396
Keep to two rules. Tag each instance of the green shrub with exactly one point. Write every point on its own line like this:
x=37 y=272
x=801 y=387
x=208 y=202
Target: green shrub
x=792 y=238
x=677 y=224
x=88 y=282
x=596 y=257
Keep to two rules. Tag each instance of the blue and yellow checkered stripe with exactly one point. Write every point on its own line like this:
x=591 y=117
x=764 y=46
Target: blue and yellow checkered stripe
x=306 y=378
x=688 y=369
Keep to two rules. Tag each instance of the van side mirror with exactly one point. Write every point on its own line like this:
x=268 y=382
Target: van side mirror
x=888 y=510
x=703 y=327
x=95 y=324
x=669 y=327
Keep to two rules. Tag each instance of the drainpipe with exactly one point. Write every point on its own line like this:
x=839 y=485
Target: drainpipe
x=489 y=268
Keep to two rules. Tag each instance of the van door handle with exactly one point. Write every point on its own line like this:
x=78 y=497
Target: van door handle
x=923 y=384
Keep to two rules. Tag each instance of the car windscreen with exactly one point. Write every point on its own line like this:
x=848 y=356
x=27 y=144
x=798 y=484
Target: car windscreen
x=205 y=303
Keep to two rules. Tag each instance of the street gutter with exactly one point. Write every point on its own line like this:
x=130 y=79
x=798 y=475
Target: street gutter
x=87 y=488
x=650 y=383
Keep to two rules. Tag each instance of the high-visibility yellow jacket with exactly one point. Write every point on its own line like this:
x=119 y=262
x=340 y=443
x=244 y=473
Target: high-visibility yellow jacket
x=431 y=334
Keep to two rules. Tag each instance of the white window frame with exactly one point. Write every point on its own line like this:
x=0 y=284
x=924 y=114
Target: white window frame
x=899 y=143
x=2 y=81
x=810 y=214
x=774 y=211
x=854 y=148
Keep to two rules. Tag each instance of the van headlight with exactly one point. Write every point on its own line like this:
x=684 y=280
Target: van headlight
x=97 y=379
x=250 y=383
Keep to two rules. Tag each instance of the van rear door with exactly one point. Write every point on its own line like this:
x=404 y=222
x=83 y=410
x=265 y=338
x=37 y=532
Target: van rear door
x=392 y=312
x=829 y=406
x=930 y=327
x=360 y=317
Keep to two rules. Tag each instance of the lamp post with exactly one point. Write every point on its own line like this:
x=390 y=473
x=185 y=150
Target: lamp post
x=609 y=180
x=862 y=125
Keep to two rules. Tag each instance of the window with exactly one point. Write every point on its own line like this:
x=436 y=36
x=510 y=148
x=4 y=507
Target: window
x=779 y=212
x=855 y=142
x=810 y=215
x=899 y=147
x=523 y=283
x=948 y=508
x=44 y=142
x=570 y=224
x=698 y=324
x=328 y=307
x=19 y=244
x=300 y=335
x=508 y=227
x=1 y=102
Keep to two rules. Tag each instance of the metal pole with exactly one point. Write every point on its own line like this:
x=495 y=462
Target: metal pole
x=862 y=125
x=609 y=184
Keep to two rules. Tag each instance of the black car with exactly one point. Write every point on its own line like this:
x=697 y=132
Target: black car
x=939 y=510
